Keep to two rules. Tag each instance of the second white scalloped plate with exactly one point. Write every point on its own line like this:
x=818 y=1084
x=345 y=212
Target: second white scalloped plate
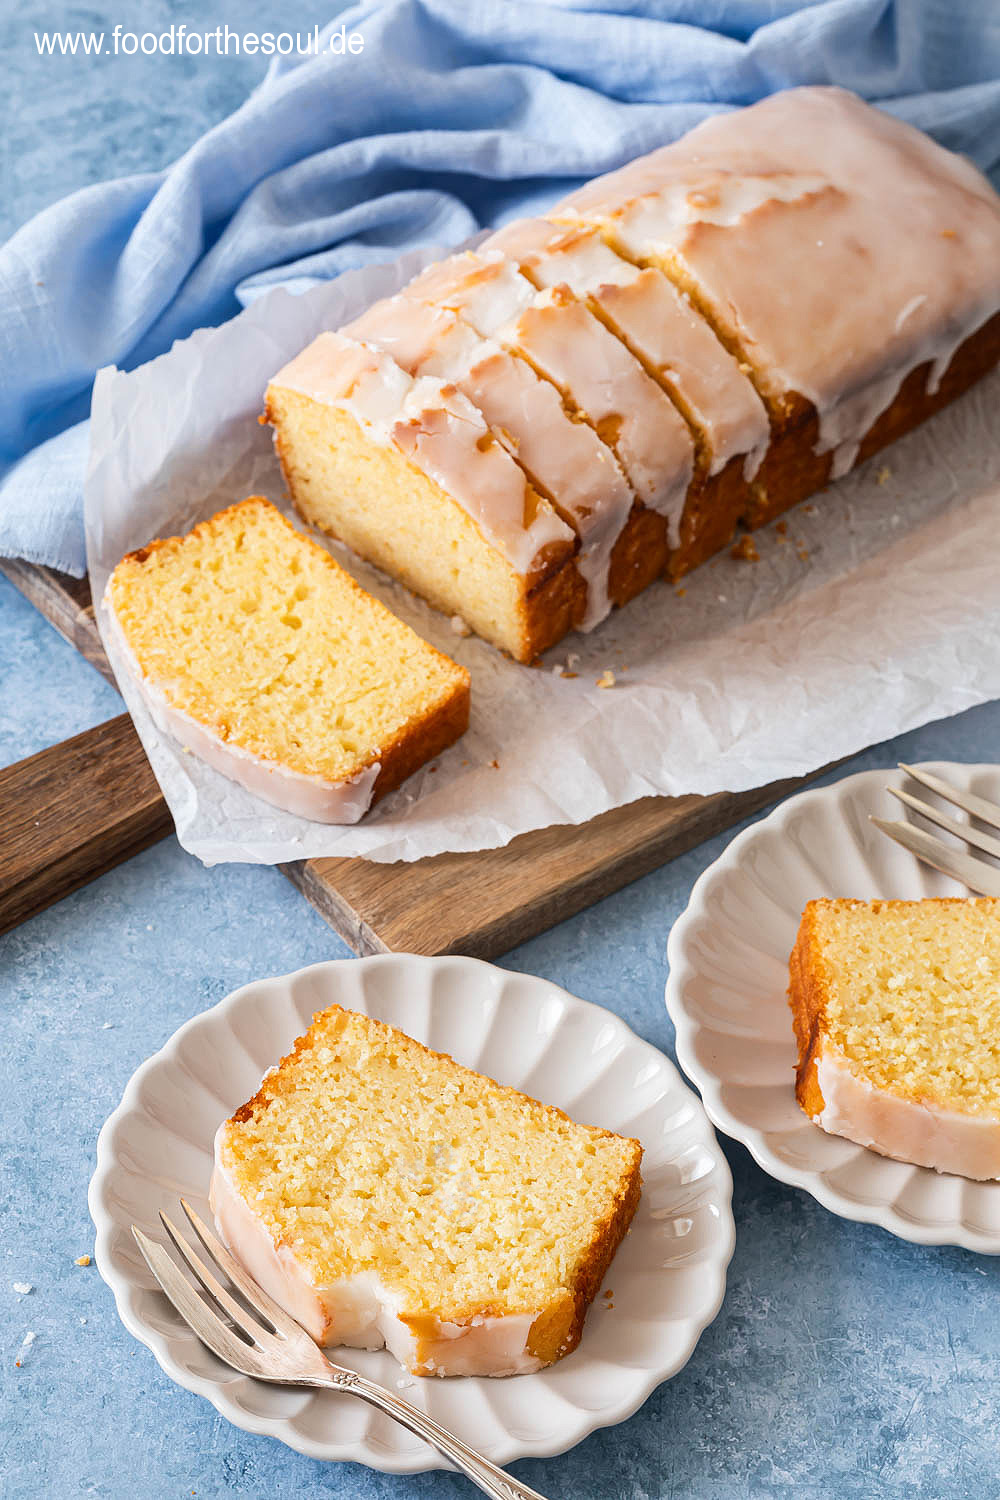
x=727 y=997
x=668 y=1277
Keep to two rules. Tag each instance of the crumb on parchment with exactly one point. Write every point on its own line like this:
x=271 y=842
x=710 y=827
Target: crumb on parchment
x=607 y=679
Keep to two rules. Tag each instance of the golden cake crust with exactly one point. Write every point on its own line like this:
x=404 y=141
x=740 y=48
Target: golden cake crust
x=792 y=470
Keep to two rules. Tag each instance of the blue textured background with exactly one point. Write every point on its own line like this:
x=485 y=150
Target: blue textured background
x=844 y=1363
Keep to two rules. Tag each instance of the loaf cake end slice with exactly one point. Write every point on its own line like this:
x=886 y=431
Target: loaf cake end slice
x=387 y=1196
x=896 y=1010
x=259 y=653
x=410 y=475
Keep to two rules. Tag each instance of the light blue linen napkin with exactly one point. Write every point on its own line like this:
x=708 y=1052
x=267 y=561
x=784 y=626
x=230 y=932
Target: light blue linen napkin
x=457 y=114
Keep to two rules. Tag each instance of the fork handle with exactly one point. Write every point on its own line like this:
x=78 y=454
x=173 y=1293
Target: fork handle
x=491 y=1480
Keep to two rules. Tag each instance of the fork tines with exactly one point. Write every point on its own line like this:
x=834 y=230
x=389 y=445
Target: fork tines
x=966 y=868
x=247 y=1333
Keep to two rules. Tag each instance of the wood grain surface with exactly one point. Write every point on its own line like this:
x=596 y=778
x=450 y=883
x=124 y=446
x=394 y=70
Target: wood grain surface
x=487 y=902
x=72 y=812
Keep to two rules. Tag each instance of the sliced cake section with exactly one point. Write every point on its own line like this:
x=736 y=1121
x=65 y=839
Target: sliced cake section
x=387 y=1196
x=658 y=323
x=896 y=1008
x=254 y=649
x=843 y=256
x=678 y=348
x=596 y=375
x=409 y=474
x=563 y=458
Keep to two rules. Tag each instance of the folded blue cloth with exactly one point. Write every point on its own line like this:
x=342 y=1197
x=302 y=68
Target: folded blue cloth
x=457 y=114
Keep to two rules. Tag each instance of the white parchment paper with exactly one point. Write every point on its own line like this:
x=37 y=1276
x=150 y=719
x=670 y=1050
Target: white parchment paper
x=878 y=610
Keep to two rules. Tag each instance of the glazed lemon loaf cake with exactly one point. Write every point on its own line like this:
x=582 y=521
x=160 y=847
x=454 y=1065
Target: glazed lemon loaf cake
x=896 y=1007
x=737 y=318
x=260 y=654
x=387 y=1196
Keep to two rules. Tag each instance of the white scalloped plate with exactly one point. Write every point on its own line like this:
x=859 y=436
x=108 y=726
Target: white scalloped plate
x=668 y=1276
x=726 y=995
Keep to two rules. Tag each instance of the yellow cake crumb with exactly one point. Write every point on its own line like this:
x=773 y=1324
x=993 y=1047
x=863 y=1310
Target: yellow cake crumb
x=909 y=993
x=255 y=632
x=366 y=1151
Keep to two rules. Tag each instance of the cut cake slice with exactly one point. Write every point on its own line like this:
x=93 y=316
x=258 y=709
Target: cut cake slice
x=385 y=1195
x=896 y=1008
x=849 y=261
x=677 y=347
x=598 y=378
x=564 y=459
x=411 y=476
x=259 y=653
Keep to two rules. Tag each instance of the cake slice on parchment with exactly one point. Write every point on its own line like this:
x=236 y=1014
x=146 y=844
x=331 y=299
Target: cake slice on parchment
x=896 y=1008
x=259 y=653
x=387 y=1196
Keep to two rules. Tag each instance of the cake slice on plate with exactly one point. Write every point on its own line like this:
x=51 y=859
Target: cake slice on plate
x=387 y=1196
x=260 y=654
x=896 y=1007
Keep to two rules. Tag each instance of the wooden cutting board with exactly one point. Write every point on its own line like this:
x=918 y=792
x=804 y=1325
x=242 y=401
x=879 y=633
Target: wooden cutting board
x=73 y=811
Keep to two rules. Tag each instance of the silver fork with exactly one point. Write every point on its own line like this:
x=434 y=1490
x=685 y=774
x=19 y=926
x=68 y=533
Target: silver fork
x=973 y=872
x=272 y=1346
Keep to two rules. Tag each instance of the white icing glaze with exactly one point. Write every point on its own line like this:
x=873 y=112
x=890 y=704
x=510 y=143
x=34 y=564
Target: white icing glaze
x=945 y=1139
x=488 y=291
x=658 y=323
x=569 y=346
x=843 y=247
x=565 y=459
x=654 y=443
x=295 y=792
x=360 y=1311
x=439 y=430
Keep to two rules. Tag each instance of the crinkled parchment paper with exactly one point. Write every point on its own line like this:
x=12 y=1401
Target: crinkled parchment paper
x=878 y=610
